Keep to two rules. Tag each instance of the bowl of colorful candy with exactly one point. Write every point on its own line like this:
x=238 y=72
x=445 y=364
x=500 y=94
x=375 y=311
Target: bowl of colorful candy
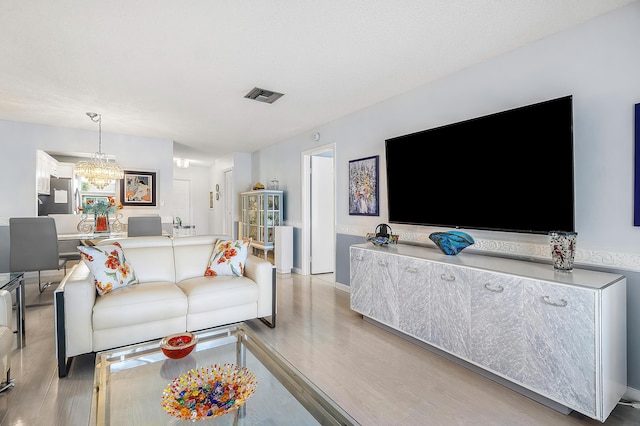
x=176 y=346
x=208 y=392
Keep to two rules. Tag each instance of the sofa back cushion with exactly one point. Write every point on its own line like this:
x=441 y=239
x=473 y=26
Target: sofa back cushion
x=192 y=254
x=152 y=257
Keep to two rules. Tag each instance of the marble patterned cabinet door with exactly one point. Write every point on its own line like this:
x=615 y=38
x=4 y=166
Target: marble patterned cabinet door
x=384 y=300
x=374 y=285
x=451 y=308
x=361 y=284
x=497 y=338
x=414 y=276
x=560 y=345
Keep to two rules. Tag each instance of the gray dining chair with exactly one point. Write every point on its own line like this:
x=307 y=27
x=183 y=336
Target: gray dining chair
x=144 y=226
x=33 y=246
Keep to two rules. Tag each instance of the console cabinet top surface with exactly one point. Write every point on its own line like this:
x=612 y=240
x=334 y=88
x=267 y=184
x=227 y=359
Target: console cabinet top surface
x=528 y=269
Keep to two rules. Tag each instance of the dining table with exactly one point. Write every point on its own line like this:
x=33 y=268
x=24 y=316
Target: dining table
x=89 y=239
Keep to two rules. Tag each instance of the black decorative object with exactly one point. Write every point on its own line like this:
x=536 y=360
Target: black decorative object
x=383 y=235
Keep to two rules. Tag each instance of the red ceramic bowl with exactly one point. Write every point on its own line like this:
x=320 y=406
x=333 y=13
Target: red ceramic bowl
x=179 y=345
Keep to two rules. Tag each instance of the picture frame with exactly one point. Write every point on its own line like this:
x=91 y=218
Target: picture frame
x=138 y=188
x=93 y=198
x=364 y=186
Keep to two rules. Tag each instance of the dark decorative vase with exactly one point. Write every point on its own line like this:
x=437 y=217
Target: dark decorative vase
x=563 y=249
x=451 y=242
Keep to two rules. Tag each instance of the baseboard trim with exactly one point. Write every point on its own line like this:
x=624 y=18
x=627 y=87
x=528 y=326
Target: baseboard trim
x=631 y=394
x=343 y=287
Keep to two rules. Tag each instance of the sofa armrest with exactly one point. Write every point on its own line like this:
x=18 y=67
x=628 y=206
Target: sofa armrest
x=6 y=308
x=261 y=271
x=75 y=297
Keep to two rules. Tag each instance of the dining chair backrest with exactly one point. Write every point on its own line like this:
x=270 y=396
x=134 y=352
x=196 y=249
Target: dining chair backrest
x=33 y=244
x=144 y=226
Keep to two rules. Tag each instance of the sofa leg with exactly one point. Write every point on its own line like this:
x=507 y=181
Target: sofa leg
x=8 y=383
x=63 y=367
x=61 y=346
x=274 y=298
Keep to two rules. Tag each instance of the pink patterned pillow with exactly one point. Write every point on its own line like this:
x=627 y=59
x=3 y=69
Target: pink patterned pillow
x=109 y=267
x=228 y=258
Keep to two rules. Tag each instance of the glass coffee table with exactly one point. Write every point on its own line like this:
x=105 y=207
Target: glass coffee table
x=129 y=383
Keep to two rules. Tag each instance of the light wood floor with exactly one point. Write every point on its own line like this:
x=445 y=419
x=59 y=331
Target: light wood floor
x=379 y=378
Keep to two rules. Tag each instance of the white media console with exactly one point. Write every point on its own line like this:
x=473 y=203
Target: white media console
x=561 y=335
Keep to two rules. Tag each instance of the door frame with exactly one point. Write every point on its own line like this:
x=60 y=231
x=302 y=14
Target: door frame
x=227 y=204
x=305 y=252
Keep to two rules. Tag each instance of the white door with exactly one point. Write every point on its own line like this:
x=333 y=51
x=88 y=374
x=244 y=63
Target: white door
x=227 y=196
x=182 y=201
x=322 y=211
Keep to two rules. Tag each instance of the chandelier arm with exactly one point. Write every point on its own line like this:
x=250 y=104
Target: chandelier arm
x=99 y=171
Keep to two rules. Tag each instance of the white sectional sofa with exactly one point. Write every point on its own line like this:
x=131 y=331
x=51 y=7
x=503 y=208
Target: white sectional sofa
x=172 y=296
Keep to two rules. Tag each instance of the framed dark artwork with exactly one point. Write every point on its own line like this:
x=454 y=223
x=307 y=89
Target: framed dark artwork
x=363 y=187
x=636 y=183
x=138 y=188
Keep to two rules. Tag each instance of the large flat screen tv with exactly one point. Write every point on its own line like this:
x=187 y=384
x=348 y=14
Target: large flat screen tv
x=509 y=171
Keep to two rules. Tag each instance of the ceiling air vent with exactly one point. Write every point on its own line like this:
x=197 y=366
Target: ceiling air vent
x=262 y=95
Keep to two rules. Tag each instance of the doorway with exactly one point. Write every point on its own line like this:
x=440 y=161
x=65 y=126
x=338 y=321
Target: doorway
x=182 y=201
x=318 y=215
x=227 y=207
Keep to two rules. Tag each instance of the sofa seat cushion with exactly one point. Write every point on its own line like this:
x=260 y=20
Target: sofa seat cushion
x=141 y=303
x=213 y=293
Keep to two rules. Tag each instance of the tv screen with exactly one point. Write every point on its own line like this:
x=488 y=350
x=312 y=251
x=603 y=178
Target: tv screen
x=510 y=171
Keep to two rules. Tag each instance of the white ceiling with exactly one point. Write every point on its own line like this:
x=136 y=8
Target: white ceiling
x=179 y=70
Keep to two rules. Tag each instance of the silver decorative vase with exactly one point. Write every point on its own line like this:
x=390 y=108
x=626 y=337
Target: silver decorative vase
x=563 y=249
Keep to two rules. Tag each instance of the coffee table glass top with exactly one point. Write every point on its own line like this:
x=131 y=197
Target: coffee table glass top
x=129 y=383
x=9 y=278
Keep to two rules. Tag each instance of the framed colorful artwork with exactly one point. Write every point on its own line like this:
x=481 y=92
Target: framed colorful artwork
x=363 y=187
x=138 y=189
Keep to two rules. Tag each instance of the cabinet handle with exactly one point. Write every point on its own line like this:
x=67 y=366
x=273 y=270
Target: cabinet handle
x=561 y=303
x=496 y=289
x=411 y=270
x=382 y=263
x=360 y=258
x=447 y=278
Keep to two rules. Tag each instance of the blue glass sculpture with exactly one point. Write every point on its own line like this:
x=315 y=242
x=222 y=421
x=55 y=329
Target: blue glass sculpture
x=451 y=242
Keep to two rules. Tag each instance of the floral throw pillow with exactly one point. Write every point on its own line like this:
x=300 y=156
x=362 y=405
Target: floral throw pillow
x=108 y=266
x=228 y=258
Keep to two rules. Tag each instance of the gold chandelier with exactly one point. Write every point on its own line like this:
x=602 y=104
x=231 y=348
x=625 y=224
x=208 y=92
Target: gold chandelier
x=99 y=171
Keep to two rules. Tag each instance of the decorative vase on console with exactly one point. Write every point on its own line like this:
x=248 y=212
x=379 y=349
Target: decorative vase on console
x=101 y=210
x=563 y=249
x=102 y=223
x=451 y=242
